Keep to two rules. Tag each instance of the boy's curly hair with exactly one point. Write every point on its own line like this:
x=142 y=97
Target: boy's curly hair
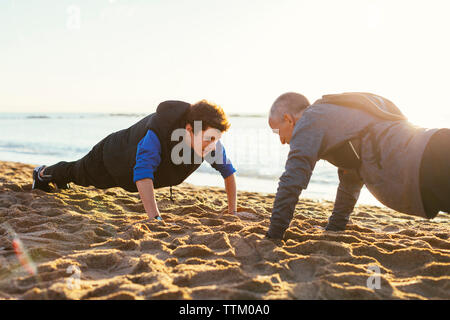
x=211 y=115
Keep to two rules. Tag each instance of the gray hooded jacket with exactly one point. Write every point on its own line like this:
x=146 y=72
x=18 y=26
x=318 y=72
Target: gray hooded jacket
x=391 y=153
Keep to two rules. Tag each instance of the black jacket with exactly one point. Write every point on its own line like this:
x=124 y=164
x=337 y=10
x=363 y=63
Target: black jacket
x=119 y=151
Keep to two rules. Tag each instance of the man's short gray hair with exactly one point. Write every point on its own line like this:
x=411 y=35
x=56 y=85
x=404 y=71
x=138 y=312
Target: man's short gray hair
x=289 y=102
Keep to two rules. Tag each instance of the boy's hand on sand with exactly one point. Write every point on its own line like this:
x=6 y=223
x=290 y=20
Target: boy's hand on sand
x=148 y=220
x=154 y=216
x=158 y=219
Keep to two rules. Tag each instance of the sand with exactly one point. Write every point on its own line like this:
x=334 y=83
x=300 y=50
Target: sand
x=95 y=244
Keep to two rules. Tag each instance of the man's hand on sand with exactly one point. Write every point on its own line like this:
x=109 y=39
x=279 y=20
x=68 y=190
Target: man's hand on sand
x=276 y=241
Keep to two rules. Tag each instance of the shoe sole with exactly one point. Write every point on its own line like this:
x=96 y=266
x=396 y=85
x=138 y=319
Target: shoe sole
x=35 y=185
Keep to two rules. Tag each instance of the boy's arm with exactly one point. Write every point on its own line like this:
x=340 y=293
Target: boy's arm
x=148 y=158
x=350 y=185
x=147 y=194
x=230 y=187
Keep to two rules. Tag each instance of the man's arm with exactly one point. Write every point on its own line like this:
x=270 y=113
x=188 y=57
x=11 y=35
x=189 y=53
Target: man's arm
x=350 y=185
x=305 y=147
x=283 y=211
x=230 y=187
x=147 y=194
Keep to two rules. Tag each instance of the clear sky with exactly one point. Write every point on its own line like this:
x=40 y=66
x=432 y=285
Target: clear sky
x=127 y=56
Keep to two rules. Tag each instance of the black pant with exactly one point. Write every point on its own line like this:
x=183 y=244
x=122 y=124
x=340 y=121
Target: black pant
x=87 y=171
x=435 y=174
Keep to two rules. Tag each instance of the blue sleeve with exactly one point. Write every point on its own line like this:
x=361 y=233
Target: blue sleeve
x=225 y=167
x=148 y=157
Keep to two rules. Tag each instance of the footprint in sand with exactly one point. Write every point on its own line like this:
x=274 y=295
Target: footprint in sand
x=246 y=215
x=197 y=253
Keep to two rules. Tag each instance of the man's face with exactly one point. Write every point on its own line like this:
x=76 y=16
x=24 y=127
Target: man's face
x=283 y=126
x=203 y=141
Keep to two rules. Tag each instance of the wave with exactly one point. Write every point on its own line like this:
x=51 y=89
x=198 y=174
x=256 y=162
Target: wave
x=41 y=149
x=27 y=116
x=247 y=115
x=245 y=171
x=50 y=116
x=37 y=117
x=133 y=115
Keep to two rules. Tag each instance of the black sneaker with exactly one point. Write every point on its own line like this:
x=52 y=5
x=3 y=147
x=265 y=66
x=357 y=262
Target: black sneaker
x=41 y=183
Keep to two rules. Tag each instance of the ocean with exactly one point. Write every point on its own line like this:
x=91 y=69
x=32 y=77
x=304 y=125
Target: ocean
x=253 y=148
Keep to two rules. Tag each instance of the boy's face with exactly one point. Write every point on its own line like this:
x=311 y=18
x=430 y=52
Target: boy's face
x=204 y=141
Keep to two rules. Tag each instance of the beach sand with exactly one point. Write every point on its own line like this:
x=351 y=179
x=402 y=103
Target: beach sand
x=95 y=244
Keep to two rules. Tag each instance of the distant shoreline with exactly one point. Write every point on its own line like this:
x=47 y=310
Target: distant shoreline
x=50 y=115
